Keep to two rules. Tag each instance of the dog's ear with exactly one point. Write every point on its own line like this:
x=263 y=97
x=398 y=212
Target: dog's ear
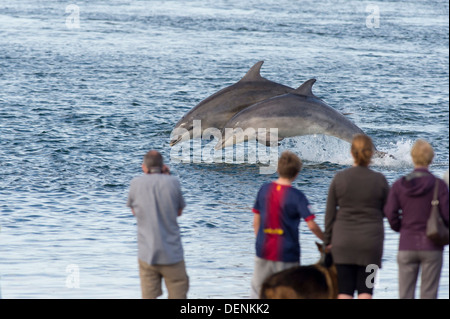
x=320 y=247
x=328 y=260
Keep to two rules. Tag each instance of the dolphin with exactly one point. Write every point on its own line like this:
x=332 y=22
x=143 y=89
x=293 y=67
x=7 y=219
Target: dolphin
x=217 y=109
x=296 y=113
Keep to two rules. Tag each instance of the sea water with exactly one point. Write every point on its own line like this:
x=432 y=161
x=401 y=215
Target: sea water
x=87 y=88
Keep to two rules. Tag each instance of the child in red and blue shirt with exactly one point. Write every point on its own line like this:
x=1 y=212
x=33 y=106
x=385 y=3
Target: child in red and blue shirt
x=278 y=209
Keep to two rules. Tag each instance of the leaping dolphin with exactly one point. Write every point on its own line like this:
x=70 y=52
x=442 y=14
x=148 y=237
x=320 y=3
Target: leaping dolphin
x=298 y=112
x=217 y=109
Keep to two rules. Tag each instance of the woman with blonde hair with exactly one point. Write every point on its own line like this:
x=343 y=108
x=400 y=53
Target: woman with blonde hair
x=354 y=221
x=407 y=209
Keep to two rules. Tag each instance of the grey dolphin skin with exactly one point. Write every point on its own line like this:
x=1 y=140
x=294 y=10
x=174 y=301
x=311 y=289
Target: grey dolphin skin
x=298 y=112
x=217 y=109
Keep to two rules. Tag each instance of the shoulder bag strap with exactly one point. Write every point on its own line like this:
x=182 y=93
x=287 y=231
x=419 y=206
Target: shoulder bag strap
x=435 y=200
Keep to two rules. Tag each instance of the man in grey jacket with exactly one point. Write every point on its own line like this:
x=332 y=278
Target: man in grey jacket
x=156 y=200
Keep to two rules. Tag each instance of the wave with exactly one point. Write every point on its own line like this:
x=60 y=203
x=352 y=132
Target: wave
x=314 y=148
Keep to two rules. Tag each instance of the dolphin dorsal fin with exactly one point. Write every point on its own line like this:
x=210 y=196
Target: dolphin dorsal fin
x=305 y=88
x=254 y=73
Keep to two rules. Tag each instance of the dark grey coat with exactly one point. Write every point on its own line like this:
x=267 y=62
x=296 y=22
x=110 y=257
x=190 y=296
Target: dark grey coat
x=354 y=216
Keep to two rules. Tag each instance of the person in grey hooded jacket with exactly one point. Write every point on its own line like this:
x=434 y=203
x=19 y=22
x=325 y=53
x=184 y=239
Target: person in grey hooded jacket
x=407 y=209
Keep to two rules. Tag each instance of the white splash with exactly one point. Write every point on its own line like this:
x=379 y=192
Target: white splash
x=321 y=148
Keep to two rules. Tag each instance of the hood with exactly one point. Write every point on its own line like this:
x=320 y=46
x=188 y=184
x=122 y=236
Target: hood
x=418 y=186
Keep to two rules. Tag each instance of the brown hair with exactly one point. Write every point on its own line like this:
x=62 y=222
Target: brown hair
x=289 y=165
x=422 y=153
x=153 y=159
x=362 y=149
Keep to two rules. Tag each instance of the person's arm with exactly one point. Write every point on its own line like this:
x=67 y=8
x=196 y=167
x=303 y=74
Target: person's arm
x=330 y=213
x=181 y=202
x=165 y=170
x=130 y=199
x=315 y=229
x=391 y=210
x=443 y=202
x=256 y=214
x=304 y=210
x=386 y=189
x=256 y=223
